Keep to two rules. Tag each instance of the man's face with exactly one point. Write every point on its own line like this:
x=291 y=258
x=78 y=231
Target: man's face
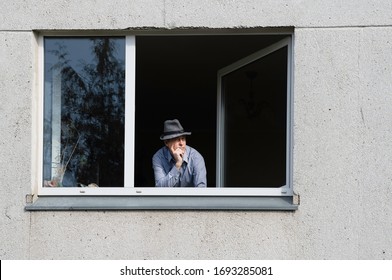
x=176 y=144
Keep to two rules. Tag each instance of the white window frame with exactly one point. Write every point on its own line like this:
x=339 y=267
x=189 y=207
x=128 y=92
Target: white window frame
x=129 y=189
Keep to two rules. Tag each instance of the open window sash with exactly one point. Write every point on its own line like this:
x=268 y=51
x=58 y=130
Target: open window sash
x=254 y=121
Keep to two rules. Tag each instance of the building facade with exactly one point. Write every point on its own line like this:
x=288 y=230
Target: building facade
x=335 y=202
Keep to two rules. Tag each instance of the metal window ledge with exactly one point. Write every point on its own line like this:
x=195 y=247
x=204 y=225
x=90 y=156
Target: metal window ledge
x=69 y=203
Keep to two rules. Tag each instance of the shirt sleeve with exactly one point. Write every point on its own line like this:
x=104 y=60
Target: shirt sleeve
x=199 y=172
x=162 y=179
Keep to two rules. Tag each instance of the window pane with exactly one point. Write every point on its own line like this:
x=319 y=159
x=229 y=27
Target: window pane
x=255 y=99
x=84 y=110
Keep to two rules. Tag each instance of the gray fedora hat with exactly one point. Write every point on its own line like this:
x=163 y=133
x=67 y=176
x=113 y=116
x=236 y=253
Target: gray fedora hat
x=172 y=129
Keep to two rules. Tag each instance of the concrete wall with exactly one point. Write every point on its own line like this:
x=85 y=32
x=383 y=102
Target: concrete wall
x=342 y=138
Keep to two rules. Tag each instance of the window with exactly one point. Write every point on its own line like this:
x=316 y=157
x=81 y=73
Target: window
x=105 y=99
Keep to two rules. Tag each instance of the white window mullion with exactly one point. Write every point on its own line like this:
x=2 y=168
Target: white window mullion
x=130 y=65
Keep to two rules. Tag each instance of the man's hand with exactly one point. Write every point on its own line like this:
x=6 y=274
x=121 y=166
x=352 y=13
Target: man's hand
x=177 y=148
x=178 y=154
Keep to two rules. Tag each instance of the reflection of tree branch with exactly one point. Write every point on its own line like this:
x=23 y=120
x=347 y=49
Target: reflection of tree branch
x=92 y=105
x=69 y=158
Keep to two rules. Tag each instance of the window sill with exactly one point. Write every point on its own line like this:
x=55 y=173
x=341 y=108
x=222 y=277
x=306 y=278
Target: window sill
x=72 y=203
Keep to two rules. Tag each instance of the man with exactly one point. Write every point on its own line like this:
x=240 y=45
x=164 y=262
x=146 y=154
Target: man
x=176 y=164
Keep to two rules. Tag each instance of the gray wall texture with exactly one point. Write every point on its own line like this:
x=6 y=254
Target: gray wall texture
x=342 y=137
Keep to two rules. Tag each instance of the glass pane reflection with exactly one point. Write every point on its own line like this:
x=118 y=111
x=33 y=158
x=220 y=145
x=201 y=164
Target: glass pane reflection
x=84 y=111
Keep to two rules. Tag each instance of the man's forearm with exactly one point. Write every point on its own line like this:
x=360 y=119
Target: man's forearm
x=167 y=180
